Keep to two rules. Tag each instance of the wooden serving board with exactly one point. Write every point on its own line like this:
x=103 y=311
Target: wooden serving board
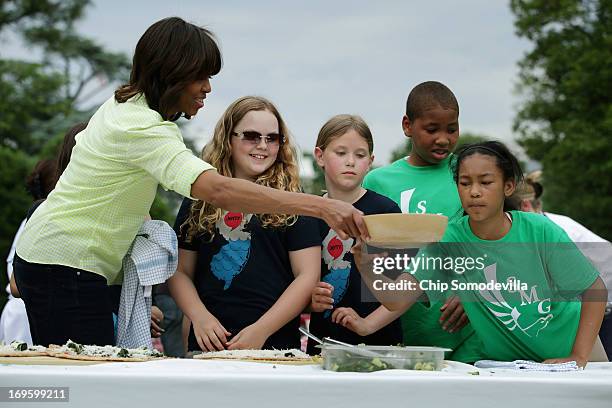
x=46 y=360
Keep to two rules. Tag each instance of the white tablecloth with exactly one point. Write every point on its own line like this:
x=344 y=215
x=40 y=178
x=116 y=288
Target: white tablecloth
x=223 y=384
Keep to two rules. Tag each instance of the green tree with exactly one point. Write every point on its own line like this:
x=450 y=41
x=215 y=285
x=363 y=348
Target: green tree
x=565 y=120
x=15 y=167
x=46 y=93
x=316 y=185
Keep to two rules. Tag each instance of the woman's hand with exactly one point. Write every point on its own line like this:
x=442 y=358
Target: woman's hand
x=250 y=338
x=347 y=317
x=209 y=332
x=345 y=219
x=157 y=316
x=235 y=194
x=321 y=299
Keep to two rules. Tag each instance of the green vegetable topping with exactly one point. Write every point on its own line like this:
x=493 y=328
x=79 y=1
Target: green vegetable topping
x=19 y=346
x=75 y=346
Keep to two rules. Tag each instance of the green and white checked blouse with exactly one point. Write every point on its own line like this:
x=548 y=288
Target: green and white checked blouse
x=92 y=216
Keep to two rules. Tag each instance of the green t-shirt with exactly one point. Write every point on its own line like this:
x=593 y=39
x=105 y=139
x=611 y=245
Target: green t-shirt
x=417 y=189
x=431 y=190
x=535 y=315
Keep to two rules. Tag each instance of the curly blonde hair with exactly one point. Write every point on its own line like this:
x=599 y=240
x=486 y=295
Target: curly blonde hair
x=282 y=175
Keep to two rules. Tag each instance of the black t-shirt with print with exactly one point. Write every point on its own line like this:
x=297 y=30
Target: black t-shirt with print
x=337 y=269
x=245 y=268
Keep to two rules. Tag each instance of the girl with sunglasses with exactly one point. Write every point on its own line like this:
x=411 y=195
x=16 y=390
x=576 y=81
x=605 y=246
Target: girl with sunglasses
x=243 y=279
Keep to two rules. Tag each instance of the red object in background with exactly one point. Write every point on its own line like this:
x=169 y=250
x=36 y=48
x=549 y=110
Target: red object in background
x=304 y=322
x=157 y=344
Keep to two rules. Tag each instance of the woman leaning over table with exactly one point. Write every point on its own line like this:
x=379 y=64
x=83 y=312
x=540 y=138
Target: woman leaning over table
x=73 y=245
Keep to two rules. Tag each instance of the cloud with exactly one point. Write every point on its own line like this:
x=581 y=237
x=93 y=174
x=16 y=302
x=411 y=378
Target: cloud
x=317 y=59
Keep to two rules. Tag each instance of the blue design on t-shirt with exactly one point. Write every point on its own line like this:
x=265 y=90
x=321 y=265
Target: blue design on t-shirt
x=338 y=278
x=230 y=260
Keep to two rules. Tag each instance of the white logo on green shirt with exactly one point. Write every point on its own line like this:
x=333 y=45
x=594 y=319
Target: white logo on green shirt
x=510 y=315
x=406 y=197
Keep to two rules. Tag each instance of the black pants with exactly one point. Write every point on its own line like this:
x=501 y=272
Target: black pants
x=605 y=334
x=65 y=303
x=172 y=339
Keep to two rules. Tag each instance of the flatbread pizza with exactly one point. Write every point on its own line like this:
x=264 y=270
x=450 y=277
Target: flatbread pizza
x=21 y=349
x=75 y=351
x=289 y=356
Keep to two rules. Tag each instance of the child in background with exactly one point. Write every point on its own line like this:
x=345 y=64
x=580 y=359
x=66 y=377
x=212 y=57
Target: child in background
x=244 y=279
x=14 y=320
x=422 y=183
x=539 y=317
x=344 y=152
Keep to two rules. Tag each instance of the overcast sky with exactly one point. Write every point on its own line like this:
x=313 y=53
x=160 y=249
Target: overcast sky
x=316 y=59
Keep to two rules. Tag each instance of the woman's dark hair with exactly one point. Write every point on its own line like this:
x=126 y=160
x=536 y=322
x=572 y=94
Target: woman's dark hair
x=41 y=180
x=506 y=161
x=171 y=54
x=65 y=151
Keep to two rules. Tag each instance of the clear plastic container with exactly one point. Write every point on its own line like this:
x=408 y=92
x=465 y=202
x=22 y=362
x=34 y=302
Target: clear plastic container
x=374 y=358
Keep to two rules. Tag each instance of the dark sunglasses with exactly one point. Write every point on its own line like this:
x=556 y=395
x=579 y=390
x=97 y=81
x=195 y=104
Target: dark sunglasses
x=254 y=137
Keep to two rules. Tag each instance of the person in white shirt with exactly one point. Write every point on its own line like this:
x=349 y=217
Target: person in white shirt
x=14 y=323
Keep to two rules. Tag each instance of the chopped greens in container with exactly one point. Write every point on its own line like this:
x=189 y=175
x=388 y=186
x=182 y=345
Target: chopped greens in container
x=375 y=358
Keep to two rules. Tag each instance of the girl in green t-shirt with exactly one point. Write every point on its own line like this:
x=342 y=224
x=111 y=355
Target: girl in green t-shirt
x=527 y=290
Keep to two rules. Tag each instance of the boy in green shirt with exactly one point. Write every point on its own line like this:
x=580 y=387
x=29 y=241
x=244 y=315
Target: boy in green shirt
x=422 y=183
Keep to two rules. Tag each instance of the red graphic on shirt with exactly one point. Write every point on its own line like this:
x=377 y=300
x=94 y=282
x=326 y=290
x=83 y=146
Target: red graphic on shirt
x=335 y=247
x=232 y=219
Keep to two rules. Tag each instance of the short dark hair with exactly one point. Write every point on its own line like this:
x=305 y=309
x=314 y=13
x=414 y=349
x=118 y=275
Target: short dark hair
x=171 y=54
x=65 y=151
x=506 y=161
x=427 y=95
x=41 y=181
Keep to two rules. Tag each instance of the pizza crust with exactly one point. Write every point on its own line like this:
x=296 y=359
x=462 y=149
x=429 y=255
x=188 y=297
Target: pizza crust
x=97 y=358
x=309 y=361
x=269 y=356
x=25 y=353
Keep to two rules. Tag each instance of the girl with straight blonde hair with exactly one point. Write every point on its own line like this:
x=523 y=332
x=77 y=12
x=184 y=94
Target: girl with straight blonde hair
x=344 y=153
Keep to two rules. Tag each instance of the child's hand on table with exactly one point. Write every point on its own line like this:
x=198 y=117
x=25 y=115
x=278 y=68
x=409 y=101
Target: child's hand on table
x=210 y=333
x=347 y=317
x=453 y=317
x=157 y=316
x=251 y=337
x=580 y=361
